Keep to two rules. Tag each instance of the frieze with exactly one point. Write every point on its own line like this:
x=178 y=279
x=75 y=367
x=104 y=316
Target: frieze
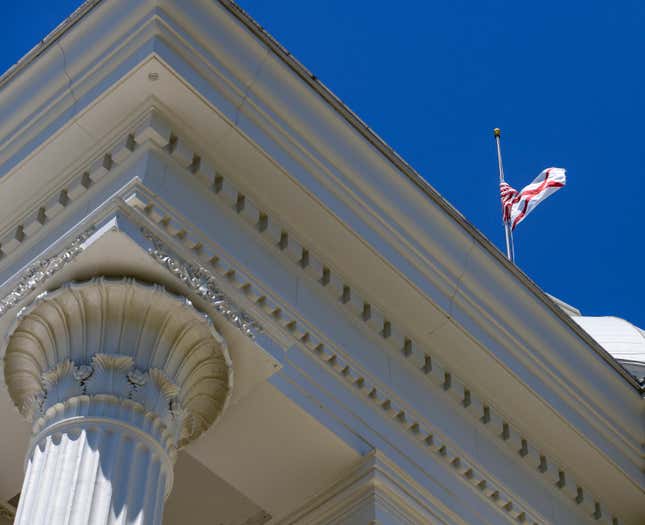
x=203 y=284
x=40 y=271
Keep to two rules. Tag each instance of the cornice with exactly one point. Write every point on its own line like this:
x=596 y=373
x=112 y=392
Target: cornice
x=347 y=294
x=381 y=398
x=362 y=308
x=376 y=481
x=73 y=189
x=392 y=337
x=68 y=76
x=388 y=153
x=353 y=120
x=48 y=41
x=523 y=348
x=350 y=119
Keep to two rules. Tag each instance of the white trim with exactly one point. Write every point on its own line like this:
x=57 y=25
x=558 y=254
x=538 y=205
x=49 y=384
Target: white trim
x=474 y=289
x=375 y=483
x=340 y=363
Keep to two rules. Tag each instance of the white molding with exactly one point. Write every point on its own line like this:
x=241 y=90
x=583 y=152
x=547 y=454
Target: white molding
x=373 y=486
x=456 y=261
x=348 y=371
x=338 y=362
x=378 y=395
x=72 y=36
x=18 y=234
x=464 y=397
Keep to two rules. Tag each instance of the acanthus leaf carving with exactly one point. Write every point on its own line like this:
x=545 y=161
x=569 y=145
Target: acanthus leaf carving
x=59 y=384
x=110 y=375
x=42 y=270
x=116 y=376
x=201 y=281
x=126 y=360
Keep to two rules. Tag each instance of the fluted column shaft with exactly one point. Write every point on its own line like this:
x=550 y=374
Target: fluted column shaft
x=100 y=461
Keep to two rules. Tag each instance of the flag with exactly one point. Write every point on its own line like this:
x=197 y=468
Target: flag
x=516 y=205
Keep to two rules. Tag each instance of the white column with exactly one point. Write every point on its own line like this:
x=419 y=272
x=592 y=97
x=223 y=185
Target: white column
x=115 y=376
x=99 y=461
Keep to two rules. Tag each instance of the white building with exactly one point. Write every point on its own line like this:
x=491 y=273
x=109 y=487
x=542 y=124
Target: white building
x=222 y=290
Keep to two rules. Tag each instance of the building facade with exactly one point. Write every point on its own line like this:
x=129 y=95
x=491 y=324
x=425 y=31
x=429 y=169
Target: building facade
x=226 y=301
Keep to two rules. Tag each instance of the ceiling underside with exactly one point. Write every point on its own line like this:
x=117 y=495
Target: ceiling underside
x=262 y=440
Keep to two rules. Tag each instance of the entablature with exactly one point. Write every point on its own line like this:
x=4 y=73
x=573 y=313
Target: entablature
x=301 y=297
x=248 y=158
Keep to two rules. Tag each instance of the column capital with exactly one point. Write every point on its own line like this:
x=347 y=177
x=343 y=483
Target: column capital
x=122 y=339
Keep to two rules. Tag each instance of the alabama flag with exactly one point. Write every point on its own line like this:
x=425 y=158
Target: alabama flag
x=516 y=205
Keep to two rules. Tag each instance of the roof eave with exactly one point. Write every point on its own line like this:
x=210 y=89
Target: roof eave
x=368 y=134
x=419 y=181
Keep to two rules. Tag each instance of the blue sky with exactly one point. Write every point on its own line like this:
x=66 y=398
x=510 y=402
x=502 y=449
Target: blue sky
x=564 y=81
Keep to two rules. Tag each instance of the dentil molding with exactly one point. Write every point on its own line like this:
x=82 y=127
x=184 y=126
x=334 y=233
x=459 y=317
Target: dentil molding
x=156 y=131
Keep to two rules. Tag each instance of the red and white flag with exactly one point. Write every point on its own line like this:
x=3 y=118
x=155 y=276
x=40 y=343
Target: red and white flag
x=516 y=205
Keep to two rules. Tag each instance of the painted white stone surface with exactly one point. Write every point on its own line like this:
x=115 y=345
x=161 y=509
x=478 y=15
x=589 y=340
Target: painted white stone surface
x=116 y=376
x=419 y=342
x=97 y=461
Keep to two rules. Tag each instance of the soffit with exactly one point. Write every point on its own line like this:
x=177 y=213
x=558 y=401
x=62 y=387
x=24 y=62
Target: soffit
x=198 y=494
x=262 y=437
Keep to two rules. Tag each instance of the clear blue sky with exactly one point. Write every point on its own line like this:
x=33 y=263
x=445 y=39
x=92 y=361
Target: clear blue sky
x=564 y=81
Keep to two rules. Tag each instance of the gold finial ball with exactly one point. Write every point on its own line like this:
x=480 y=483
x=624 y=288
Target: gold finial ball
x=498 y=132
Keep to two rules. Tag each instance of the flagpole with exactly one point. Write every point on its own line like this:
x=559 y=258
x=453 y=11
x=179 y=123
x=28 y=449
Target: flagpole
x=510 y=249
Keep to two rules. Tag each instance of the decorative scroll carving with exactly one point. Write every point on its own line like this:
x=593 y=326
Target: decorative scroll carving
x=42 y=270
x=196 y=277
x=202 y=282
x=113 y=375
